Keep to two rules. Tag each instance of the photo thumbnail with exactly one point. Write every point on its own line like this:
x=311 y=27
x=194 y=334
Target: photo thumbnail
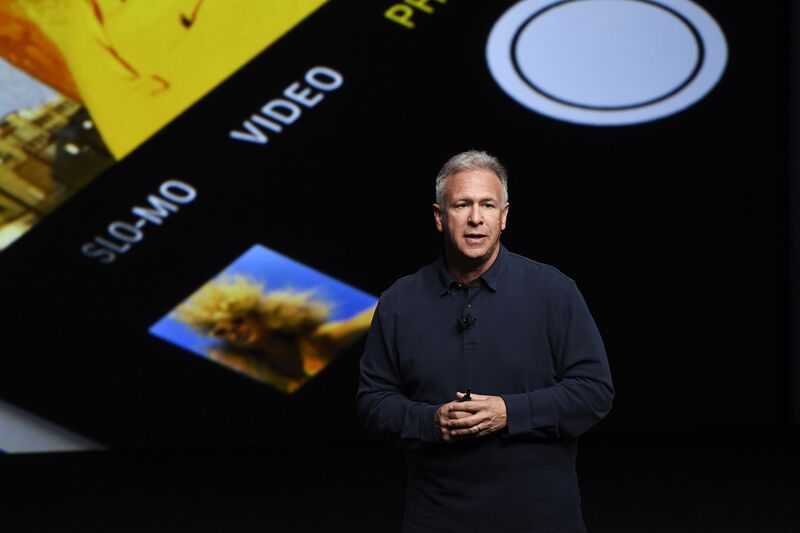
x=49 y=150
x=270 y=318
x=82 y=84
x=138 y=65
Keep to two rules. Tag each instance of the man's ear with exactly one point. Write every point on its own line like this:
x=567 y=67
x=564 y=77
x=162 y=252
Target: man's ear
x=438 y=214
x=503 y=217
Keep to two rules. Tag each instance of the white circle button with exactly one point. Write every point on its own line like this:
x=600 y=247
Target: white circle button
x=606 y=62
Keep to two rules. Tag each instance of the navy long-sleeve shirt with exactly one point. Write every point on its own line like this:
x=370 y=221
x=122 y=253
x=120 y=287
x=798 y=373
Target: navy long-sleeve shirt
x=533 y=343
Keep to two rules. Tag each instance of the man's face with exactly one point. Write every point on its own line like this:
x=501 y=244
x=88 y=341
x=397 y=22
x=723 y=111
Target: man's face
x=472 y=216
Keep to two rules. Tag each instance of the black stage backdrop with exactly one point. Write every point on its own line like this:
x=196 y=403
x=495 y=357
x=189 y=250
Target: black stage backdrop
x=674 y=229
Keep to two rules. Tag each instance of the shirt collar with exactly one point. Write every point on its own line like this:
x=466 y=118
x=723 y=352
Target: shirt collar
x=489 y=277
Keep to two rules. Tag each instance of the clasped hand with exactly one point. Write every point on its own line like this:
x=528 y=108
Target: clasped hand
x=477 y=417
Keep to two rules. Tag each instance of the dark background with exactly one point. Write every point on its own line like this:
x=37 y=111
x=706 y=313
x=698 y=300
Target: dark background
x=677 y=231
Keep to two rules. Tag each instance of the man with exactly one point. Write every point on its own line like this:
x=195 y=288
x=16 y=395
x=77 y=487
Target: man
x=516 y=332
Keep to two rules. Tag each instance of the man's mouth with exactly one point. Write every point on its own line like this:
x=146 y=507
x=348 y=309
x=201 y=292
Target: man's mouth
x=474 y=237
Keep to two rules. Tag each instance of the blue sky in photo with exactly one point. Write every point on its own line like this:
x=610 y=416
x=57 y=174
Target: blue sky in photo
x=20 y=91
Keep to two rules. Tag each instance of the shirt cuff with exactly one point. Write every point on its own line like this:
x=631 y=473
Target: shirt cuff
x=518 y=413
x=427 y=424
x=531 y=413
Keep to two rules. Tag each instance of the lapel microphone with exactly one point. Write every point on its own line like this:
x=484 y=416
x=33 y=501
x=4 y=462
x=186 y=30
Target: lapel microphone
x=466 y=322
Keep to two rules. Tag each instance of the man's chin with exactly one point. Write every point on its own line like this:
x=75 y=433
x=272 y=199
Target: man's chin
x=473 y=255
x=476 y=255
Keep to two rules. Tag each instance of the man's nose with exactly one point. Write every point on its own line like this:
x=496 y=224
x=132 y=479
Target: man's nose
x=475 y=217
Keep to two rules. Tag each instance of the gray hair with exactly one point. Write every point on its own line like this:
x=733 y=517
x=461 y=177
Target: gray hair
x=471 y=160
